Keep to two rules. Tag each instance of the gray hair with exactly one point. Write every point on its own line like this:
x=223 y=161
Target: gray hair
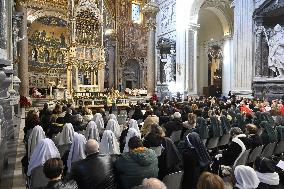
x=92 y=146
x=153 y=183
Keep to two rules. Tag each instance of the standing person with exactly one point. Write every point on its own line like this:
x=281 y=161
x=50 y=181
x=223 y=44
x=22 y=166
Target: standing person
x=169 y=160
x=195 y=160
x=95 y=171
x=137 y=164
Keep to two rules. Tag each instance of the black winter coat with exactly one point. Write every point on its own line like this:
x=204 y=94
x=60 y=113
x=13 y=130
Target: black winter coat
x=94 y=172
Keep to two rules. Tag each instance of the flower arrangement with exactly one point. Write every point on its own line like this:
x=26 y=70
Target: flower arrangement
x=24 y=102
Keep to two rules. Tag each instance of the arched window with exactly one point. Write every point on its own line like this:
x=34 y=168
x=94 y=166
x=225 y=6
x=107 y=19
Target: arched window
x=136 y=12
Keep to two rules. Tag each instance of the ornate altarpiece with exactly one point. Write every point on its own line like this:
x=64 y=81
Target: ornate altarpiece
x=265 y=82
x=73 y=58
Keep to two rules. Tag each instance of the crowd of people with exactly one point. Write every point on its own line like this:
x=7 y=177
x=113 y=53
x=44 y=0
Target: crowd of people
x=84 y=148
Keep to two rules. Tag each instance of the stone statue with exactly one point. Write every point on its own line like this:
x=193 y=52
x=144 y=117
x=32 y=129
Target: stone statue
x=276 y=51
x=168 y=70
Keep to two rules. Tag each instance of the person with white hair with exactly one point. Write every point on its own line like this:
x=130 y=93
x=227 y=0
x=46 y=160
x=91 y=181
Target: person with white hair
x=109 y=144
x=77 y=150
x=245 y=178
x=35 y=137
x=45 y=150
x=174 y=125
x=151 y=183
x=98 y=119
x=114 y=127
x=95 y=171
x=131 y=133
x=67 y=134
x=92 y=131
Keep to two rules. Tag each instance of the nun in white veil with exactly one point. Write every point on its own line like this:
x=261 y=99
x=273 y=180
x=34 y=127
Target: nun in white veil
x=67 y=134
x=92 y=131
x=133 y=124
x=77 y=150
x=98 y=119
x=131 y=133
x=109 y=144
x=35 y=137
x=112 y=116
x=114 y=127
x=45 y=150
x=246 y=177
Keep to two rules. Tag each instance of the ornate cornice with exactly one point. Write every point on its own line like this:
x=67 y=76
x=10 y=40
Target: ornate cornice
x=150 y=10
x=56 y=5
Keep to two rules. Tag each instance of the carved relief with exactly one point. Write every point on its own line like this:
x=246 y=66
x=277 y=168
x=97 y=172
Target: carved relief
x=166 y=17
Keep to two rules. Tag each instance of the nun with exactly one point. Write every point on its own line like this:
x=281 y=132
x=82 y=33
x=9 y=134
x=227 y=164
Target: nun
x=245 y=177
x=35 y=137
x=99 y=120
x=109 y=144
x=266 y=172
x=45 y=150
x=131 y=133
x=67 y=134
x=77 y=150
x=195 y=158
x=92 y=131
x=114 y=127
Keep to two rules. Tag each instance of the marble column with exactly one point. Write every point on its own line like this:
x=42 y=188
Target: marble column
x=243 y=47
x=150 y=10
x=258 y=51
x=191 y=59
x=23 y=67
x=111 y=64
x=227 y=65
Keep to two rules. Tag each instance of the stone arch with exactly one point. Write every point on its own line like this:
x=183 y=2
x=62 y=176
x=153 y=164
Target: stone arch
x=33 y=16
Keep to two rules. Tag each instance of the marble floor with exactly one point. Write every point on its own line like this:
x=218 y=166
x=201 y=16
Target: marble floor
x=13 y=177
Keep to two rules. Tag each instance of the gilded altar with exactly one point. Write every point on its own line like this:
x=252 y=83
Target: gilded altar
x=65 y=45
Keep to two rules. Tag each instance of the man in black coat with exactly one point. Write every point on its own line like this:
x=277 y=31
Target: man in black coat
x=94 y=172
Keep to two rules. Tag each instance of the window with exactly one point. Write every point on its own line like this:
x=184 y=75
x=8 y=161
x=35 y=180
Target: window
x=136 y=12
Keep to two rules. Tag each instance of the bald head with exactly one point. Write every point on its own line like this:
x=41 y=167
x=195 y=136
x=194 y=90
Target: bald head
x=153 y=183
x=92 y=146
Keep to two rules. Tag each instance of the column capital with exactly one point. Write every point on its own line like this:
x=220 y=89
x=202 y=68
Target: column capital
x=151 y=10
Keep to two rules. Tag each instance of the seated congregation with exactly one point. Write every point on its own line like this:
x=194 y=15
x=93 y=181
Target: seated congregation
x=171 y=145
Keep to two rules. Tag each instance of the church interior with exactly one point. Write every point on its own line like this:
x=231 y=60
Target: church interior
x=129 y=61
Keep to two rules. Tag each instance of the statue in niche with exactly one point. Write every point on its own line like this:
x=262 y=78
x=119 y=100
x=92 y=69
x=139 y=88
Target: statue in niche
x=46 y=56
x=34 y=54
x=59 y=57
x=276 y=50
x=62 y=38
x=43 y=36
x=168 y=70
